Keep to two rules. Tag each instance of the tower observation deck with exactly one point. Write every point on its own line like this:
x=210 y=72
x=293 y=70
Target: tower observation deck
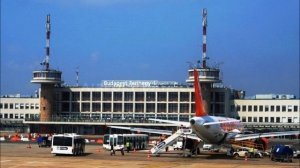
x=207 y=75
x=48 y=79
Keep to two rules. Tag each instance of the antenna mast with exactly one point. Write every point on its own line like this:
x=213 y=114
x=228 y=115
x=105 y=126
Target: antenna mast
x=46 y=61
x=77 y=76
x=204 y=25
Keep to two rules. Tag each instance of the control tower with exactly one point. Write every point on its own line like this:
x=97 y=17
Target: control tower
x=207 y=75
x=48 y=79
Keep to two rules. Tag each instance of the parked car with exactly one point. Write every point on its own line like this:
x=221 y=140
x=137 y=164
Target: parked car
x=239 y=152
x=296 y=153
x=211 y=147
x=207 y=147
x=282 y=153
x=258 y=154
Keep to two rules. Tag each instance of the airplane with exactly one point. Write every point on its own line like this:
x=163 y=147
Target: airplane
x=209 y=129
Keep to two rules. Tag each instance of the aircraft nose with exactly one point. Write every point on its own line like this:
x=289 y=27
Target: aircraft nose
x=192 y=121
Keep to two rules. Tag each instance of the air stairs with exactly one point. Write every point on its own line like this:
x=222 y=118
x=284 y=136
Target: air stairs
x=170 y=140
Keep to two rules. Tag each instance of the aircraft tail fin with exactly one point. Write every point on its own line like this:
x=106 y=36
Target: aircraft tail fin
x=199 y=109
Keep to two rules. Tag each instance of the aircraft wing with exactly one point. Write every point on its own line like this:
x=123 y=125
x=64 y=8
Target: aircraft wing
x=222 y=122
x=155 y=131
x=240 y=137
x=177 y=123
x=148 y=130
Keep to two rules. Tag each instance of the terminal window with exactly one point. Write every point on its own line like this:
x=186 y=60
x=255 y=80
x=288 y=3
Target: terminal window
x=96 y=107
x=173 y=96
x=184 y=96
x=65 y=107
x=266 y=119
x=17 y=106
x=150 y=96
x=266 y=108
x=173 y=107
x=184 y=108
x=295 y=108
x=283 y=109
x=128 y=107
x=161 y=96
x=238 y=108
x=255 y=108
x=290 y=108
x=106 y=107
x=96 y=96
x=75 y=107
x=26 y=106
x=65 y=96
x=117 y=107
x=107 y=96
x=244 y=108
x=128 y=96
x=249 y=108
x=118 y=96
x=150 y=107
x=85 y=107
x=161 y=107
x=277 y=108
x=85 y=96
x=75 y=96
x=219 y=97
x=261 y=108
x=272 y=109
x=139 y=107
x=278 y=119
x=139 y=96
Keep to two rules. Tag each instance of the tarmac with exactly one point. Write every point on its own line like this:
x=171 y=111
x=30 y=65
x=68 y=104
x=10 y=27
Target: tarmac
x=17 y=155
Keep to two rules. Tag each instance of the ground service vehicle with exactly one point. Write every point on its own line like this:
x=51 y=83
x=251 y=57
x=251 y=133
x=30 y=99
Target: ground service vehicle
x=281 y=153
x=136 y=141
x=43 y=142
x=240 y=152
x=69 y=144
x=178 y=145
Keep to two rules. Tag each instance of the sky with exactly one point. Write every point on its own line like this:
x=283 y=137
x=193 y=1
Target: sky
x=254 y=42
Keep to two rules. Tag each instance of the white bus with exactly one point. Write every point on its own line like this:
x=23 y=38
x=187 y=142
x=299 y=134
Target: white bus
x=69 y=144
x=136 y=141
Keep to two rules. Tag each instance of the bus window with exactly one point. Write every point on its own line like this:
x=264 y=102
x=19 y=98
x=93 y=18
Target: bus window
x=106 y=140
x=62 y=141
x=120 y=140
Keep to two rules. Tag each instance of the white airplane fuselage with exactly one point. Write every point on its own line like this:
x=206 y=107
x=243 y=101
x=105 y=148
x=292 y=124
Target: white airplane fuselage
x=214 y=133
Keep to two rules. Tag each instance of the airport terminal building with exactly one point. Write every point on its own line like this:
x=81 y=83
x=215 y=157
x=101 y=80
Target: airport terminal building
x=90 y=107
